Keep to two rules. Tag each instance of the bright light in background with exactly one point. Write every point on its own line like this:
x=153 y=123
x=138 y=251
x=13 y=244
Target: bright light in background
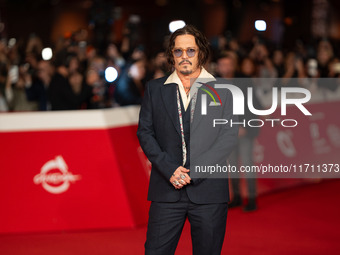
x=260 y=25
x=46 y=53
x=176 y=24
x=11 y=42
x=111 y=74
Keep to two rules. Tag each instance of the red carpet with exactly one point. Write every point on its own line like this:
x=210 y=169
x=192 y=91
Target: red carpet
x=303 y=220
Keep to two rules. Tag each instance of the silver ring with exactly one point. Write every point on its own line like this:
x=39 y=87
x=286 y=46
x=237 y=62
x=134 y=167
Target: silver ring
x=182 y=176
x=176 y=183
x=182 y=181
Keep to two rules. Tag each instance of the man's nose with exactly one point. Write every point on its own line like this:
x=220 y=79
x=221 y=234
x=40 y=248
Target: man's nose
x=185 y=55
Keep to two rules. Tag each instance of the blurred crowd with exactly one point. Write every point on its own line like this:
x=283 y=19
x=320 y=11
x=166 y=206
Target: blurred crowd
x=75 y=78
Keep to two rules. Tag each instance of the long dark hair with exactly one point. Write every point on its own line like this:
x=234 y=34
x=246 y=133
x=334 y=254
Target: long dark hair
x=201 y=41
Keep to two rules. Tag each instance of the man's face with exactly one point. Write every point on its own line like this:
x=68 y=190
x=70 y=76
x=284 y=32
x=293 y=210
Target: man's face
x=225 y=67
x=187 y=45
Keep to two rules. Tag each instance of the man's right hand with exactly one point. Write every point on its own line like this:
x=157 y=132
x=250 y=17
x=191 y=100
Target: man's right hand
x=180 y=177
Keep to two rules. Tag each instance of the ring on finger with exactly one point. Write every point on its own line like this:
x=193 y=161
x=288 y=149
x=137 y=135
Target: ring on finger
x=182 y=176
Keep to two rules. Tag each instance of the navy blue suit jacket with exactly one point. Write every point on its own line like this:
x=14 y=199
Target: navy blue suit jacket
x=160 y=138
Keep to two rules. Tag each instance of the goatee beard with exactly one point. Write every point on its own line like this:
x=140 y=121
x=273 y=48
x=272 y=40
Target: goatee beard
x=186 y=72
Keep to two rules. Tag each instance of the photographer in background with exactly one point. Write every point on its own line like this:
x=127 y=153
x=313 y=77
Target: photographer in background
x=15 y=90
x=130 y=85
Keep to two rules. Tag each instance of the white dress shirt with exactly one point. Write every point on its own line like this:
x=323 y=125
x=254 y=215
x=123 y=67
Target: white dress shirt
x=173 y=78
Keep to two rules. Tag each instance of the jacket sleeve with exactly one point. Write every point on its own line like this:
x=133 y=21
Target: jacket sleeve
x=160 y=160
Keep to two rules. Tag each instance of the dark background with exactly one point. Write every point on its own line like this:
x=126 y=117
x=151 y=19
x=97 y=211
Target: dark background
x=287 y=20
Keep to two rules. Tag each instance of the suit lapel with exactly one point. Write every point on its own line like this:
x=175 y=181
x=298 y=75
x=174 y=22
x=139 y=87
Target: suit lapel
x=170 y=101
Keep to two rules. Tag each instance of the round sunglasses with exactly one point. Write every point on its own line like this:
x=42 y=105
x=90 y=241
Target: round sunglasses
x=179 y=52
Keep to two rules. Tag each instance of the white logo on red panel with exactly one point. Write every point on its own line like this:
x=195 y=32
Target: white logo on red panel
x=258 y=152
x=55 y=177
x=285 y=142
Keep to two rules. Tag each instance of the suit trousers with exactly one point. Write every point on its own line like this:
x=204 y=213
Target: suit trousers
x=166 y=221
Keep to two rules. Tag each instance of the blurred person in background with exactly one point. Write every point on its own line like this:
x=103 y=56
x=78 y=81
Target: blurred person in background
x=130 y=85
x=294 y=68
x=278 y=62
x=114 y=57
x=80 y=88
x=3 y=75
x=265 y=69
x=159 y=65
x=15 y=90
x=227 y=64
x=324 y=57
x=37 y=88
x=60 y=92
x=34 y=44
x=33 y=51
x=327 y=66
x=91 y=54
x=72 y=63
x=32 y=58
x=226 y=42
x=17 y=77
x=226 y=68
x=95 y=78
x=248 y=68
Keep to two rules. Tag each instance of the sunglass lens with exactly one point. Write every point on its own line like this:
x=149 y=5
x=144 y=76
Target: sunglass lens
x=178 y=53
x=191 y=52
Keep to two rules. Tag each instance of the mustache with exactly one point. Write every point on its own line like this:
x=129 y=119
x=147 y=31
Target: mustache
x=183 y=61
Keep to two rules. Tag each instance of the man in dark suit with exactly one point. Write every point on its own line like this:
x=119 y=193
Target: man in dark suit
x=179 y=141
